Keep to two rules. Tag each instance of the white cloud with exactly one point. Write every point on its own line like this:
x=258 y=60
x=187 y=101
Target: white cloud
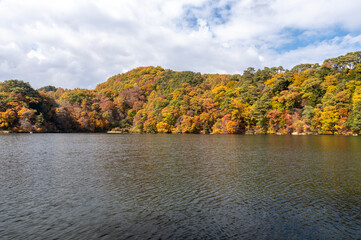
x=36 y=54
x=80 y=43
x=316 y=53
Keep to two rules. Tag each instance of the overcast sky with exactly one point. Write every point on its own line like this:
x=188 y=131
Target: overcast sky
x=80 y=43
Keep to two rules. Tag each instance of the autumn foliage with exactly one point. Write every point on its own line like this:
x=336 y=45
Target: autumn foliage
x=308 y=99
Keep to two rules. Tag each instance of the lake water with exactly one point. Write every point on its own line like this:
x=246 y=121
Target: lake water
x=101 y=186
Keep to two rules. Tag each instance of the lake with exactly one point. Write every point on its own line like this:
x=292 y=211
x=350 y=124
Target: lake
x=103 y=186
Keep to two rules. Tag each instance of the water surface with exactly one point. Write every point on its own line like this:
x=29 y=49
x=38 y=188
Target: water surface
x=99 y=186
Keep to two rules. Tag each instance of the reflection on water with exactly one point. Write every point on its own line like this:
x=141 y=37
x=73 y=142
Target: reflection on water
x=98 y=186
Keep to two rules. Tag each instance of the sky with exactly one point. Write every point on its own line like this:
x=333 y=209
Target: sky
x=80 y=43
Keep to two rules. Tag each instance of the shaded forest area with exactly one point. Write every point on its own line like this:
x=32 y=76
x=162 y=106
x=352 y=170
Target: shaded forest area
x=308 y=99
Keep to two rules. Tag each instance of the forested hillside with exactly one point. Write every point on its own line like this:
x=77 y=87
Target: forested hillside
x=308 y=99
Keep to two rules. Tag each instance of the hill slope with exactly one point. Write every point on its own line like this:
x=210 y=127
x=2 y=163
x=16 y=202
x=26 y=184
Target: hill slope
x=308 y=99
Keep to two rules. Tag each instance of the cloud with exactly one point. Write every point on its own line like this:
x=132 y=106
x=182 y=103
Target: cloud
x=314 y=53
x=81 y=43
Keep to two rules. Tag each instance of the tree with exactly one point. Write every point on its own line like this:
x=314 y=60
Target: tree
x=354 y=120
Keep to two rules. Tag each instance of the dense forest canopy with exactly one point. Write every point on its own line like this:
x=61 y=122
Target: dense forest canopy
x=308 y=99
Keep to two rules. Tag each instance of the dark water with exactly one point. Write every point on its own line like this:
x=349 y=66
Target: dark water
x=98 y=186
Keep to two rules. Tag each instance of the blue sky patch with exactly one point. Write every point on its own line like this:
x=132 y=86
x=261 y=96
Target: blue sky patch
x=300 y=38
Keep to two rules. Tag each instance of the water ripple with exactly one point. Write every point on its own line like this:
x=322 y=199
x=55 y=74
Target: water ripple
x=98 y=186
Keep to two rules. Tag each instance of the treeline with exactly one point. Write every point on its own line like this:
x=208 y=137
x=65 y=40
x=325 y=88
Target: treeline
x=308 y=99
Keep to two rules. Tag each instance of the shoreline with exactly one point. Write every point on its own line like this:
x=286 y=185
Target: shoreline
x=4 y=132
